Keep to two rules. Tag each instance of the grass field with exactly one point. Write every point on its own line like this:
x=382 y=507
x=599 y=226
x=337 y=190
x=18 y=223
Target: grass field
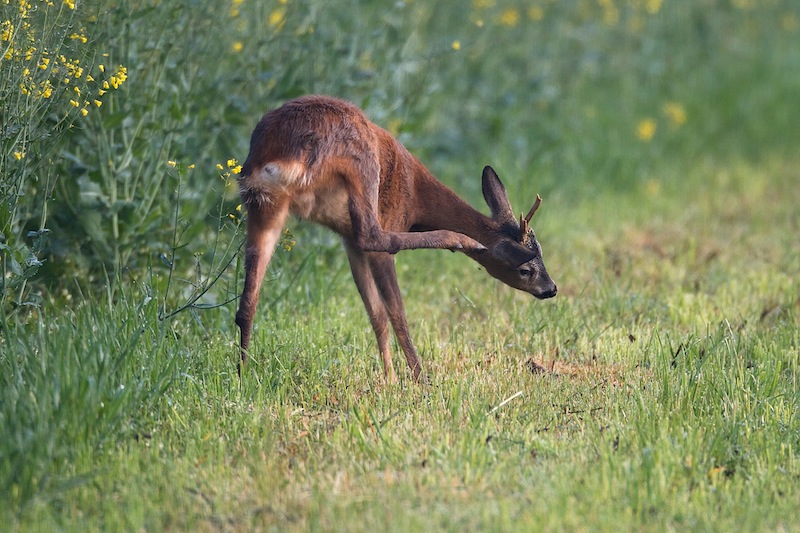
x=660 y=390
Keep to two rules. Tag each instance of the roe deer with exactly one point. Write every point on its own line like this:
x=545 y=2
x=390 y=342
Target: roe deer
x=321 y=159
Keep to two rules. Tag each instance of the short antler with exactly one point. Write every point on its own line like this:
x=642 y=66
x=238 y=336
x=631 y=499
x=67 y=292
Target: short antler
x=536 y=205
x=523 y=228
x=524 y=221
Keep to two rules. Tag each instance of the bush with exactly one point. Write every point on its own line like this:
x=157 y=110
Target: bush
x=47 y=85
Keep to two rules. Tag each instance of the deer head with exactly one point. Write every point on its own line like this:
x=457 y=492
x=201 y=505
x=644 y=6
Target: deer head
x=515 y=257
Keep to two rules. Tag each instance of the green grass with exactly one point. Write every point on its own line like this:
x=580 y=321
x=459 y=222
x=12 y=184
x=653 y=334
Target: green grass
x=658 y=391
x=668 y=399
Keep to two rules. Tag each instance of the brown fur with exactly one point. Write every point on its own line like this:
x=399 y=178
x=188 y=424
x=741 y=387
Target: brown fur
x=321 y=159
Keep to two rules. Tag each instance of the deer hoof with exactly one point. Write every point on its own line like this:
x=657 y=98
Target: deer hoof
x=474 y=246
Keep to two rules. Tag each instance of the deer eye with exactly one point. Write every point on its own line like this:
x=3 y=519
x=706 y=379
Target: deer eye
x=525 y=272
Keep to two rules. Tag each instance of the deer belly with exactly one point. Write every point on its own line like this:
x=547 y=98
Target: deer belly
x=328 y=206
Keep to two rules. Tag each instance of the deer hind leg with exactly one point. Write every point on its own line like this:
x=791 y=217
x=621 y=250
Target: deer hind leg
x=376 y=310
x=264 y=224
x=384 y=276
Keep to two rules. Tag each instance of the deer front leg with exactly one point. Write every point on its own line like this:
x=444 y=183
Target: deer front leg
x=264 y=224
x=376 y=310
x=368 y=236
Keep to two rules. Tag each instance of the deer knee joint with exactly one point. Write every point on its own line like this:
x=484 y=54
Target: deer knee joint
x=375 y=240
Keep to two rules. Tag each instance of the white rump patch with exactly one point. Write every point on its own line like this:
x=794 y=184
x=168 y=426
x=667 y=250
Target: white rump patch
x=285 y=174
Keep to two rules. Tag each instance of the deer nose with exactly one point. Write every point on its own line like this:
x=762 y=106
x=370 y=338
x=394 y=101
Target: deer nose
x=548 y=293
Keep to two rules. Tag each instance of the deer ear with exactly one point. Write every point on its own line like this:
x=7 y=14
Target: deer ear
x=512 y=253
x=496 y=196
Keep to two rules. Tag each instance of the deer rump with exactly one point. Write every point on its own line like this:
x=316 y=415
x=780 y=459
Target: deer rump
x=321 y=159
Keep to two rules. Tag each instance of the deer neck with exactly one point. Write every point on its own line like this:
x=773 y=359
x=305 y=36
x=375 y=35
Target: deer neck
x=441 y=208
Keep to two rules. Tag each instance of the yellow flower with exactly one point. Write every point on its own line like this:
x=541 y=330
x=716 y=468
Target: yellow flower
x=117 y=79
x=19 y=155
x=172 y=163
x=84 y=111
x=394 y=126
x=509 y=17
x=6 y=31
x=610 y=12
x=675 y=113
x=70 y=4
x=238 y=46
x=652 y=187
x=789 y=22
x=277 y=18
x=47 y=91
x=220 y=167
x=536 y=13
x=234 y=166
x=73 y=103
x=483 y=4
x=456 y=45
x=646 y=129
x=98 y=103
x=653 y=6
x=24 y=6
